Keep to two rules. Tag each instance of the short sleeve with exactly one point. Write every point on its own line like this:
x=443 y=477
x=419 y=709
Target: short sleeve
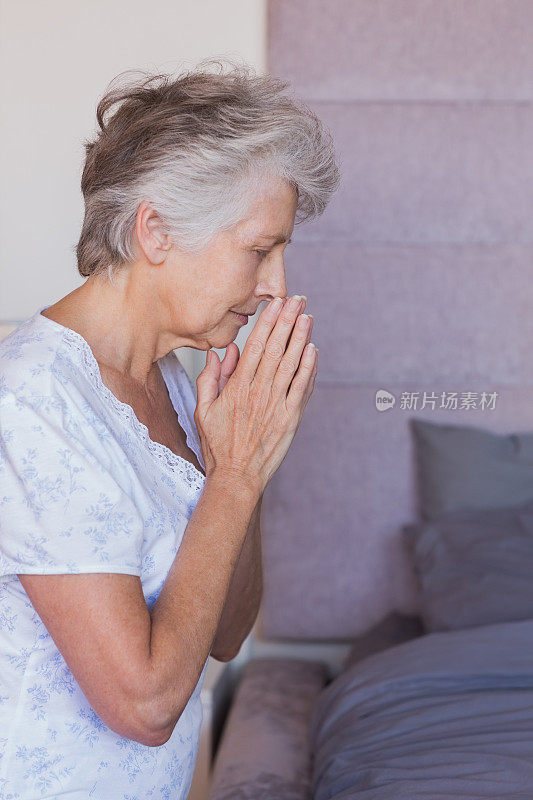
x=61 y=509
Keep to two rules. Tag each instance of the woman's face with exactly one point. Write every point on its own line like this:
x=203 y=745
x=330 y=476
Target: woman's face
x=240 y=269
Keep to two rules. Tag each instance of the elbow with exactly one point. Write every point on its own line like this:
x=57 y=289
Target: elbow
x=224 y=655
x=154 y=738
x=157 y=710
x=142 y=725
x=149 y=729
x=155 y=724
x=148 y=716
x=136 y=723
x=138 y=708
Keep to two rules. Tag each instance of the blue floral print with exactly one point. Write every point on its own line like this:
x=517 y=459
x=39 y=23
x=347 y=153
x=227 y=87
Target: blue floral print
x=83 y=488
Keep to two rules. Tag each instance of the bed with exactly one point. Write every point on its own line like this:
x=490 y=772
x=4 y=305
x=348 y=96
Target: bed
x=436 y=704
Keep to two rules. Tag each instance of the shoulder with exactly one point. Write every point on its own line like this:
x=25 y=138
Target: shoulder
x=27 y=356
x=38 y=377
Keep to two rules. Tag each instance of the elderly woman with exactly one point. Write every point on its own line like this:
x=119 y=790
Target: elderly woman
x=129 y=506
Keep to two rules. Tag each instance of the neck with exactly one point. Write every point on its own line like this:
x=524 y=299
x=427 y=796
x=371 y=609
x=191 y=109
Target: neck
x=118 y=323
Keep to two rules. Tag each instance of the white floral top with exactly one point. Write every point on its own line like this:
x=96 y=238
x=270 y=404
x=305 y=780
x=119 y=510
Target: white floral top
x=83 y=488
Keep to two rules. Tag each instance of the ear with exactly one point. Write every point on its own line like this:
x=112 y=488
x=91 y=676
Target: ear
x=153 y=239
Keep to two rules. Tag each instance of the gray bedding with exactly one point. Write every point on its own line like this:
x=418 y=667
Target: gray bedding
x=446 y=715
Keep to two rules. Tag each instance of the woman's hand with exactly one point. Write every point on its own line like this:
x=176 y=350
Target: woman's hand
x=247 y=427
x=231 y=357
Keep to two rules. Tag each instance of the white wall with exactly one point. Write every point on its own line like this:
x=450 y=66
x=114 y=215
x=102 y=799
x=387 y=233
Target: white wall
x=56 y=59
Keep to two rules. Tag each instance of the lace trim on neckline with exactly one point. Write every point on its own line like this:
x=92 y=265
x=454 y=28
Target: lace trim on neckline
x=193 y=478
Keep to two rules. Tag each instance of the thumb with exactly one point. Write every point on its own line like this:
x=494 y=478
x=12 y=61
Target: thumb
x=207 y=382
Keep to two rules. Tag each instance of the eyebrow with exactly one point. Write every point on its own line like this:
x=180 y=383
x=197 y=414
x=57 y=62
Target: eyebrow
x=277 y=239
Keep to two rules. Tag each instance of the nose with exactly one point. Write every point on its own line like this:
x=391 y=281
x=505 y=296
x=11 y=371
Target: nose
x=272 y=279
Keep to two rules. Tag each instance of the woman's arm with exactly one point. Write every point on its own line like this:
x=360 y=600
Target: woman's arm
x=244 y=594
x=187 y=613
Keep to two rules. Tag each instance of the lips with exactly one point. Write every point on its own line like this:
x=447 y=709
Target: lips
x=242 y=318
x=245 y=313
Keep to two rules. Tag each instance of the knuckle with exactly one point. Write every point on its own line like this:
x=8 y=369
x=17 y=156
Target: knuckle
x=287 y=365
x=274 y=350
x=299 y=384
x=255 y=345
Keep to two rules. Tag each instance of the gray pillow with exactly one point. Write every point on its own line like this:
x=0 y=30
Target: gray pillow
x=474 y=567
x=462 y=467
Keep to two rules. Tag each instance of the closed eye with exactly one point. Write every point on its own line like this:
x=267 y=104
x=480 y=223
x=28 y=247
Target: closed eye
x=263 y=253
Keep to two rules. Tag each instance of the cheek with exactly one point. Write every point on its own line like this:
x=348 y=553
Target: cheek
x=223 y=316
x=243 y=276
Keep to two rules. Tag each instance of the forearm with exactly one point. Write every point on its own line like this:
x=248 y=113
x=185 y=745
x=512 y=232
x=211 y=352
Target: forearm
x=244 y=594
x=186 y=615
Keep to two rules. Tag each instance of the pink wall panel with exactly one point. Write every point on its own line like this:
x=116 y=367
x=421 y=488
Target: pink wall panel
x=418 y=312
x=419 y=275
x=429 y=173
x=404 y=49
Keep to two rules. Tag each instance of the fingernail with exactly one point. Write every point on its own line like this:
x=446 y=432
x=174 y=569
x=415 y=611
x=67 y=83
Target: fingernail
x=276 y=304
x=296 y=300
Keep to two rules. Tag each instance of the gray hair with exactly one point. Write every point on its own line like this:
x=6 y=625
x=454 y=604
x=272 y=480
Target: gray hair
x=197 y=147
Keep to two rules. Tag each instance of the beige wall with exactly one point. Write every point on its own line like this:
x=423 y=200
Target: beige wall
x=56 y=59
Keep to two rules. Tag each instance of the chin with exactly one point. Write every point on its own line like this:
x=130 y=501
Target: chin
x=225 y=341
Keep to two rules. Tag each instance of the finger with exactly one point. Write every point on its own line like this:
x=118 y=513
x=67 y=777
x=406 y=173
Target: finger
x=254 y=347
x=229 y=363
x=311 y=385
x=300 y=311
x=289 y=364
x=309 y=329
x=277 y=342
x=307 y=340
x=207 y=382
x=297 y=392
